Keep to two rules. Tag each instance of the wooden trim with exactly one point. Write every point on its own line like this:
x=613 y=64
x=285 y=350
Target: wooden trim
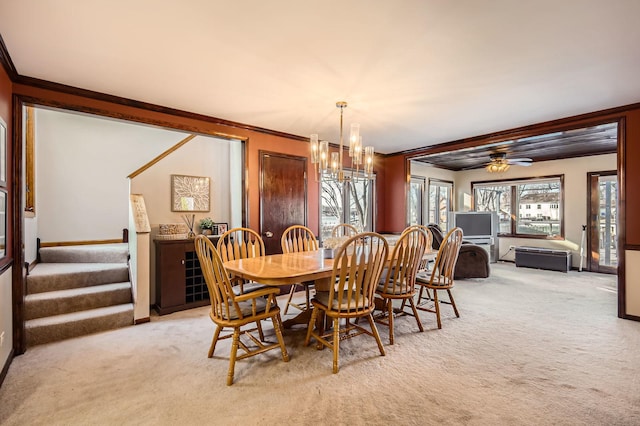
x=5 y=368
x=17 y=231
x=79 y=243
x=29 y=266
x=142 y=320
x=31 y=100
x=7 y=63
x=622 y=219
x=161 y=156
x=632 y=247
x=563 y=124
x=90 y=94
x=30 y=155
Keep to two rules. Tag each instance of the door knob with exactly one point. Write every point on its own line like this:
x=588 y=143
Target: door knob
x=268 y=234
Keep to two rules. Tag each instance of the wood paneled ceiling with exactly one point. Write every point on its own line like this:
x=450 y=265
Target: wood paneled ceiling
x=595 y=140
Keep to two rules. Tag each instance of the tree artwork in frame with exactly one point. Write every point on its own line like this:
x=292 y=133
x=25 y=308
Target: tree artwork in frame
x=189 y=193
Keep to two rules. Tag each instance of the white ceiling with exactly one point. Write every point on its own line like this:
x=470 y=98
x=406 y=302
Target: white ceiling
x=415 y=72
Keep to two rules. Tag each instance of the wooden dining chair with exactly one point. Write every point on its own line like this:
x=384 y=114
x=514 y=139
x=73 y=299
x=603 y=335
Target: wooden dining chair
x=356 y=271
x=344 y=230
x=241 y=243
x=398 y=280
x=298 y=238
x=237 y=311
x=424 y=263
x=441 y=276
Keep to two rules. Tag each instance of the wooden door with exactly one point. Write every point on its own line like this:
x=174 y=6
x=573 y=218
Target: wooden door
x=283 y=196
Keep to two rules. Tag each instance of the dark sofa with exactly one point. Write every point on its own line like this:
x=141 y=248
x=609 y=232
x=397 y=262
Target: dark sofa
x=473 y=261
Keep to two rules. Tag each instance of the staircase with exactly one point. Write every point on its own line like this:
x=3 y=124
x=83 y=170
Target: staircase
x=78 y=290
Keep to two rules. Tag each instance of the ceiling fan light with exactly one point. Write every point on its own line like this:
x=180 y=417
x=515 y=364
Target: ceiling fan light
x=498 y=166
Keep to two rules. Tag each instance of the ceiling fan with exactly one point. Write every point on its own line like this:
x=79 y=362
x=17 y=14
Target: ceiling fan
x=500 y=163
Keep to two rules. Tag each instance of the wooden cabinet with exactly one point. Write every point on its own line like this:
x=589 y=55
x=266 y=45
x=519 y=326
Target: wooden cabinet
x=179 y=281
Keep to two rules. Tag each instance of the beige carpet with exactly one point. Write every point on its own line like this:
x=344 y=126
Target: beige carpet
x=532 y=347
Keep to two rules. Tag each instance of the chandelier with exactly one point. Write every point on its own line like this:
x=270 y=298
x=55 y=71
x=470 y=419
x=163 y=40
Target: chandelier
x=497 y=165
x=328 y=165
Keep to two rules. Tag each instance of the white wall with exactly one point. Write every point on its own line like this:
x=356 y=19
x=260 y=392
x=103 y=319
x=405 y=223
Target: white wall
x=202 y=156
x=82 y=189
x=82 y=164
x=217 y=159
x=575 y=196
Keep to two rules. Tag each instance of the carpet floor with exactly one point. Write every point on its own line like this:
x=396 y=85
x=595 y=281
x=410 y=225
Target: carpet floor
x=531 y=348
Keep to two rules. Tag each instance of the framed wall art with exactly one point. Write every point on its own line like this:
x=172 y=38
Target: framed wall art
x=190 y=193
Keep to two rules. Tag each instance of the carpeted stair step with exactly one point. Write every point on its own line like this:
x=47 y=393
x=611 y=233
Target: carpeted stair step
x=62 y=276
x=91 y=253
x=66 y=326
x=59 y=302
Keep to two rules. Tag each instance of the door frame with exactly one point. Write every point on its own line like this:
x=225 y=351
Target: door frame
x=592 y=229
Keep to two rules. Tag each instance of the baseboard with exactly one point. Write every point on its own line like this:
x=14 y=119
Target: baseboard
x=141 y=320
x=5 y=368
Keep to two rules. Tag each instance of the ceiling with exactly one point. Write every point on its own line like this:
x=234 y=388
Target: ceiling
x=414 y=72
x=594 y=140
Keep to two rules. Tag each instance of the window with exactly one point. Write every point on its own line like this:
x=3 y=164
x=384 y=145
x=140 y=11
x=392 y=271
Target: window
x=511 y=200
x=357 y=196
x=440 y=202
x=415 y=201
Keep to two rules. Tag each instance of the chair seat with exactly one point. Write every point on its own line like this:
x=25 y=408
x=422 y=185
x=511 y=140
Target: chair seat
x=393 y=289
x=246 y=307
x=323 y=298
x=248 y=288
x=423 y=277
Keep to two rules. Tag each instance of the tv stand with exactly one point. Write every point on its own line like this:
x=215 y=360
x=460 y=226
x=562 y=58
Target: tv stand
x=489 y=244
x=479 y=240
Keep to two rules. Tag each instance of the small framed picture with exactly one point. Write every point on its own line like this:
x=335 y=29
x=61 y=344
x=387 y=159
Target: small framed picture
x=220 y=228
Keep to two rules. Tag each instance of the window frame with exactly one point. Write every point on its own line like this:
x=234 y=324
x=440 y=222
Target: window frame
x=441 y=183
x=346 y=202
x=420 y=181
x=513 y=184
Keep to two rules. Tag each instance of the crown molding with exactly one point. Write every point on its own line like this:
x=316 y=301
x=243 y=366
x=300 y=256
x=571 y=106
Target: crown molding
x=7 y=63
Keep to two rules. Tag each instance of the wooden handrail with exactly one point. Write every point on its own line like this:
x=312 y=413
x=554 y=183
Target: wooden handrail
x=161 y=156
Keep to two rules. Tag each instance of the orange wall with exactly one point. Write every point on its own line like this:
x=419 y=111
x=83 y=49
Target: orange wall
x=5 y=97
x=632 y=177
x=256 y=141
x=392 y=184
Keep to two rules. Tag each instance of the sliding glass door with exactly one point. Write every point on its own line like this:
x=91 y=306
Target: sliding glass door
x=347 y=202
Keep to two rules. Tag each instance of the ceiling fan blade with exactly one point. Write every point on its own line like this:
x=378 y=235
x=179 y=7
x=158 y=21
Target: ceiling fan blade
x=520 y=163
x=519 y=160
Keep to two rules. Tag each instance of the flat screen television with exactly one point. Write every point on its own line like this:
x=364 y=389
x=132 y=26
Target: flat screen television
x=476 y=224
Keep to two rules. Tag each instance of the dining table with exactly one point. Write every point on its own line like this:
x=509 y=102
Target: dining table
x=291 y=268
x=285 y=269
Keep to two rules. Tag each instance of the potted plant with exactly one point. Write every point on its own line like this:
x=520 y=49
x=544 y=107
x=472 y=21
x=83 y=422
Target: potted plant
x=206 y=226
